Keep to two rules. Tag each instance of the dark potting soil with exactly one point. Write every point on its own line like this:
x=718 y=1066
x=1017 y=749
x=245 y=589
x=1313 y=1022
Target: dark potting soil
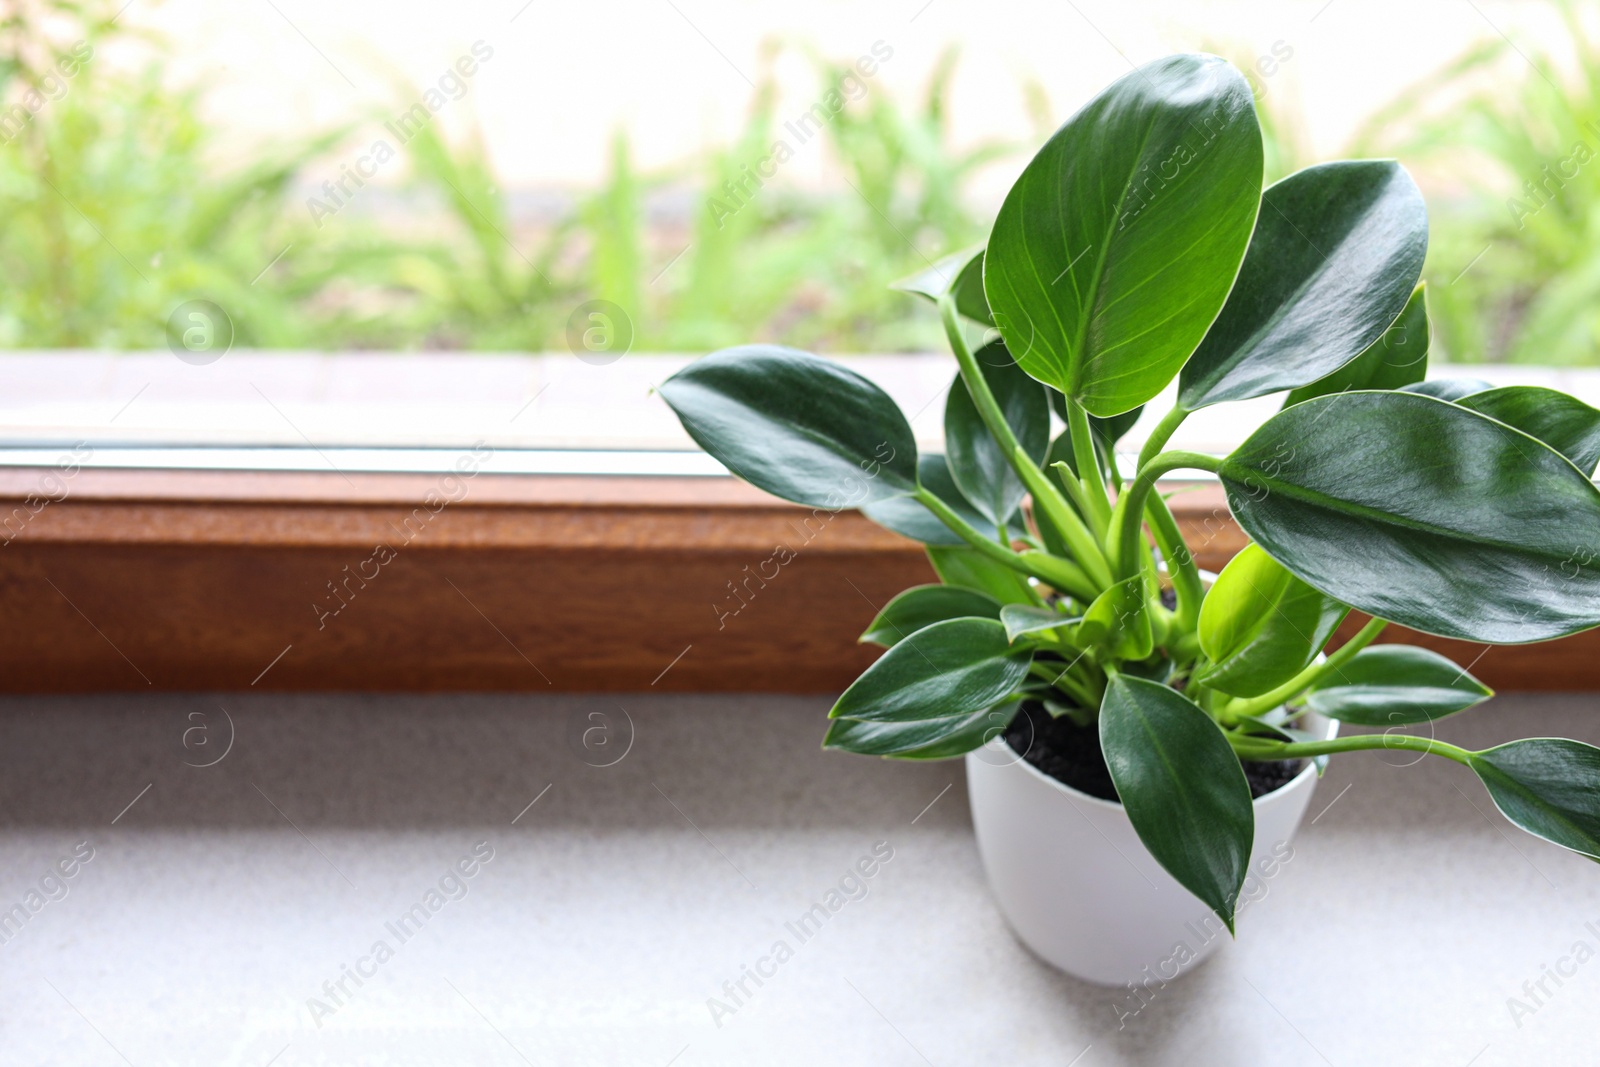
x=1071 y=754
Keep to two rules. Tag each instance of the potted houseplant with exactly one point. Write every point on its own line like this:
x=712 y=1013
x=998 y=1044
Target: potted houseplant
x=1118 y=711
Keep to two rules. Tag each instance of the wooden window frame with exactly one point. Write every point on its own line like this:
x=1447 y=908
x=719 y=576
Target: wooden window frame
x=118 y=579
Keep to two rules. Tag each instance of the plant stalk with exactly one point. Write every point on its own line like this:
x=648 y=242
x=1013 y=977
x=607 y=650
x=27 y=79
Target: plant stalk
x=1045 y=495
x=1262 y=748
x=1062 y=572
x=1246 y=709
x=1181 y=567
x=1162 y=434
x=1131 y=516
x=1088 y=457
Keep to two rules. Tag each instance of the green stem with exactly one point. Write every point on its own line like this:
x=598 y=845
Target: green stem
x=1138 y=494
x=1181 y=567
x=1060 y=573
x=1243 y=709
x=1073 y=487
x=1161 y=435
x=1045 y=495
x=1088 y=457
x=1064 y=681
x=1261 y=748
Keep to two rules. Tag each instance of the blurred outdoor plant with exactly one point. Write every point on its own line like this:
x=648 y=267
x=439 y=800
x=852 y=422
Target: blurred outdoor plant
x=1515 y=267
x=114 y=213
x=744 y=259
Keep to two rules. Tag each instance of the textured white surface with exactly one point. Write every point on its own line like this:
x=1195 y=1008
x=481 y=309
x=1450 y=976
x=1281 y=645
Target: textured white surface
x=606 y=920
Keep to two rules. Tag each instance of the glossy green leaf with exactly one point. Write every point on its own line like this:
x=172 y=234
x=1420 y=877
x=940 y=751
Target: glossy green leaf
x=1335 y=255
x=1019 y=619
x=1549 y=786
x=907 y=517
x=1424 y=513
x=1116 y=247
x=950 y=668
x=1447 y=388
x=974 y=732
x=980 y=467
x=1260 y=625
x=959 y=732
x=922 y=606
x=1182 y=787
x=801 y=427
x=961 y=275
x=1397 y=359
x=1565 y=423
x=977 y=732
x=1393 y=685
x=966 y=567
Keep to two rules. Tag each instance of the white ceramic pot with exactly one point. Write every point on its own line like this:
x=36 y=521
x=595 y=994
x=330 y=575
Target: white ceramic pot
x=1080 y=889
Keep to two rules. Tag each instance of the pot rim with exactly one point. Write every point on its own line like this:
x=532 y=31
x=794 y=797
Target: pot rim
x=1310 y=768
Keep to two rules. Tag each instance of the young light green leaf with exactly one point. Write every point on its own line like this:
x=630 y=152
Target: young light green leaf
x=959 y=274
x=980 y=467
x=1260 y=625
x=1182 y=787
x=1019 y=619
x=1424 y=513
x=1549 y=786
x=950 y=668
x=966 y=567
x=1395 y=360
x=1335 y=255
x=1119 y=620
x=1565 y=423
x=922 y=606
x=1117 y=246
x=1393 y=685
x=907 y=516
x=800 y=427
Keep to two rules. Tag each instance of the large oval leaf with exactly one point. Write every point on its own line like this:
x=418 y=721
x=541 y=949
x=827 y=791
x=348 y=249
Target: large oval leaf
x=1549 y=786
x=922 y=606
x=1422 y=512
x=1182 y=787
x=950 y=668
x=907 y=516
x=1117 y=246
x=1397 y=359
x=1335 y=255
x=1394 y=685
x=980 y=467
x=1261 y=626
x=1563 y=422
x=959 y=275
x=800 y=427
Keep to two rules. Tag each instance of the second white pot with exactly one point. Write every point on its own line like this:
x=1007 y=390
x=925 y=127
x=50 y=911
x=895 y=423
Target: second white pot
x=1080 y=889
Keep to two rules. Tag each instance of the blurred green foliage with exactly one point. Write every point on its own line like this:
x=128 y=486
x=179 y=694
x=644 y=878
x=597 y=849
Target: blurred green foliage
x=1511 y=134
x=116 y=211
